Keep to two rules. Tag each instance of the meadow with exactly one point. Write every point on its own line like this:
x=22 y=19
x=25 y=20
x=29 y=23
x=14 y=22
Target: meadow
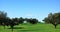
x=31 y=28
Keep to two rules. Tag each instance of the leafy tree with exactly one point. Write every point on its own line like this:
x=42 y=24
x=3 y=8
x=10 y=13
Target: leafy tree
x=46 y=20
x=13 y=22
x=32 y=21
x=53 y=19
x=3 y=16
x=21 y=20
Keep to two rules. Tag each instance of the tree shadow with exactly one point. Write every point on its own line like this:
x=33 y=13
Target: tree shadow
x=17 y=28
x=57 y=28
x=27 y=30
x=30 y=30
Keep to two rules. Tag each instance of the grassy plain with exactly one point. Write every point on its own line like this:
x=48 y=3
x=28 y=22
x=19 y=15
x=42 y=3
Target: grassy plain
x=31 y=28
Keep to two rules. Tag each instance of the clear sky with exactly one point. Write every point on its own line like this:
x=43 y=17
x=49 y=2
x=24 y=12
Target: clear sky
x=30 y=8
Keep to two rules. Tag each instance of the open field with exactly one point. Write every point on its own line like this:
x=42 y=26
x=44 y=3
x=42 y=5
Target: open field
x=32 y=28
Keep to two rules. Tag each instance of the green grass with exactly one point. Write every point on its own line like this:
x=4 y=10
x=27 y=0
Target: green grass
x=32 y=28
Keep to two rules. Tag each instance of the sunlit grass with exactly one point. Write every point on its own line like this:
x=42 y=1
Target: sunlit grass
x=32 y=28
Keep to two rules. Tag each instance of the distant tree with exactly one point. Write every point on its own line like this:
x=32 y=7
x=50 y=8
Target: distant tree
x=28 y=20
x=16 y=20
x=32 y=21
x=21 y=20
x=53 y=19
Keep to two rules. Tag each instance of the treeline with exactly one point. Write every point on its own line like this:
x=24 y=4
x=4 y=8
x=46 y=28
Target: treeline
x=7 y=21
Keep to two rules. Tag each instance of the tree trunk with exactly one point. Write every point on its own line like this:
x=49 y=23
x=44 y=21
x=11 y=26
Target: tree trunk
x=55 y=26
x=4 y=27
x=12 y=28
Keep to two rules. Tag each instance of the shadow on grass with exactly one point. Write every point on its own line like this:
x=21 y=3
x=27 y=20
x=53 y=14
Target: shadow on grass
x=30 y=30
x=57 y=28
x=17 y=28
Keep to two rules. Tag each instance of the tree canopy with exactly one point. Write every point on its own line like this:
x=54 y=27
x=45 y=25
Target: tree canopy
x=53 y=19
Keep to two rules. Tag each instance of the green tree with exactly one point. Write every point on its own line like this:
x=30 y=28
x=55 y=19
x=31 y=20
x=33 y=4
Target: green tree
x=21 y=20
x=13 y=22
x=3 y=17
x=32 y=21
x=53 y=19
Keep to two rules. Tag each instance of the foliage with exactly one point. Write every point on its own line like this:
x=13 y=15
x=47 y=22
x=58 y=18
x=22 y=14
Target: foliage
x=53 y=19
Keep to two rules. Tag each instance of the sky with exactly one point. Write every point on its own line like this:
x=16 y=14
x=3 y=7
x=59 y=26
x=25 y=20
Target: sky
x=38 y=9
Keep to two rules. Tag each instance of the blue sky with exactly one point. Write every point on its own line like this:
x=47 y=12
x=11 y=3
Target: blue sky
x=30 y=8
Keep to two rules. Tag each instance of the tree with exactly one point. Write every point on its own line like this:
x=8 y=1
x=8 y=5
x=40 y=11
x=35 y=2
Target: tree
x=3 y=16
x=21 y=20
x=13 y=22
x=53 y=19
x=32 y=21
x=46 y=20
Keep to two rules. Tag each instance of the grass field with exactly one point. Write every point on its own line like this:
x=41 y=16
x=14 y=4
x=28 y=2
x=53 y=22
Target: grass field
x=32 y=28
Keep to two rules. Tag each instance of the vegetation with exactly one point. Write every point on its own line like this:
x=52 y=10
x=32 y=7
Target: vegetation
x=3 y=17
x=19 y=22
x=53 y=19
x=32 y=28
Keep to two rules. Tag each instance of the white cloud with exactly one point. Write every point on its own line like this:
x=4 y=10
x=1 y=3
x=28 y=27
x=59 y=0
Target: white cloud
x=29 y=15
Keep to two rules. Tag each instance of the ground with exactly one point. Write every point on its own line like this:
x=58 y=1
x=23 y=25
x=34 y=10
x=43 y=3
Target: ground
x=32 y=28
